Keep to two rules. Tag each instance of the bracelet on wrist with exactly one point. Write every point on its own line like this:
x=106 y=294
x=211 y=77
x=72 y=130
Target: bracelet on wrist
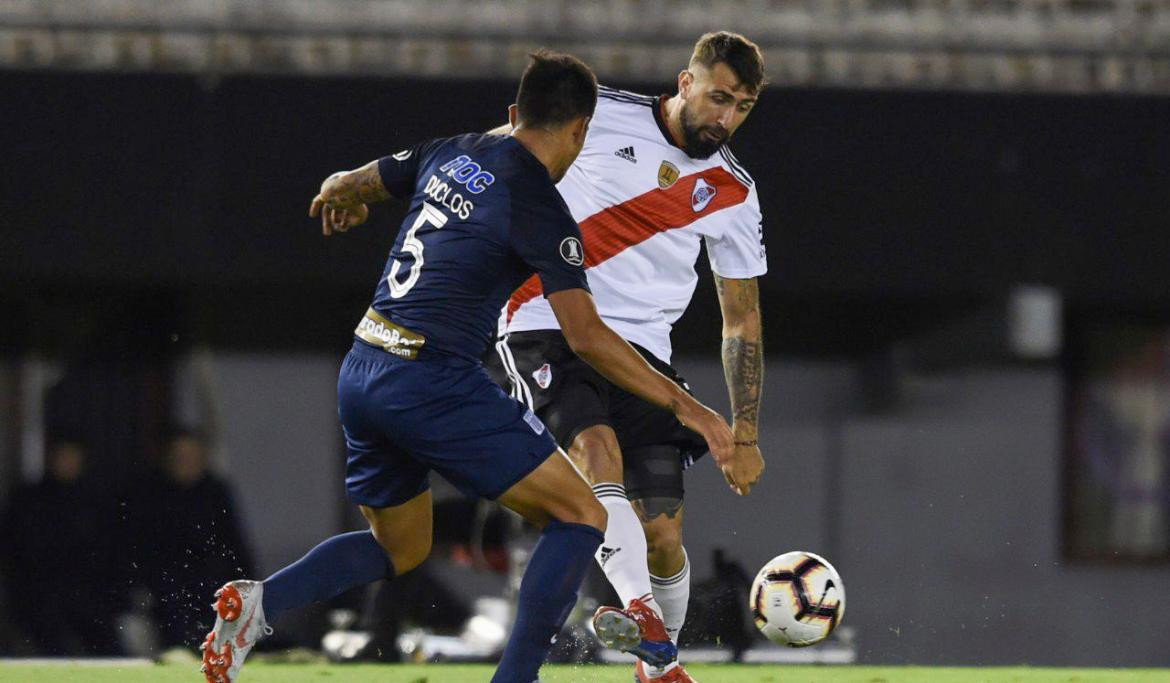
x=748 y=442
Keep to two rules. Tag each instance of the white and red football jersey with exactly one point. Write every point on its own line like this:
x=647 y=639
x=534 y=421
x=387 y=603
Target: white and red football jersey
x=644 y=206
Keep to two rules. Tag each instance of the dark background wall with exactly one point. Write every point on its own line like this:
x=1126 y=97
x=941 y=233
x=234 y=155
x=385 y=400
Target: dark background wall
x=885 y=211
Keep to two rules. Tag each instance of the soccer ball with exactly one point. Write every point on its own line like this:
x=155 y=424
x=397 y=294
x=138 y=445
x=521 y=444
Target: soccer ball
x=797 y=599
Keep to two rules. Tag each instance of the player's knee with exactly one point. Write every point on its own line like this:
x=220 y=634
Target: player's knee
x=654 y=482
x=595 y=515
x=405 y=554
x=410 y=557
x=663 y=535
x=596 y=452
x=587 y=511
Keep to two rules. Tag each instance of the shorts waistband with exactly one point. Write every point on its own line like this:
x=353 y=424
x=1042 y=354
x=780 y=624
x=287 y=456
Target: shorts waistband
x=377 y=331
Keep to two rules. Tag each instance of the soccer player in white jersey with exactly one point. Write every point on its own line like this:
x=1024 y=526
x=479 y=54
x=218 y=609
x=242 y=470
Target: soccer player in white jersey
x=654 y=180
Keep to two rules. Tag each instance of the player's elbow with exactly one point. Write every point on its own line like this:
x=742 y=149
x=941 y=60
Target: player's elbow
x=743 y=327
x=583 y=340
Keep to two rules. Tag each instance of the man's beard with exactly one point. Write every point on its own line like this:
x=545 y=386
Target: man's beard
x=697 y=145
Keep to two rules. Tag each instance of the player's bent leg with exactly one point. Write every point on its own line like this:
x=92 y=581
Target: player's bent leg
x=656 y=642
x=661 y=520
x=654 y=475
x=399 y=534
x=555 y=497
x=670 y=568
x=596 y=452
x=404 y=531
x=354 y=559
x=637 y=628
x=555 y=491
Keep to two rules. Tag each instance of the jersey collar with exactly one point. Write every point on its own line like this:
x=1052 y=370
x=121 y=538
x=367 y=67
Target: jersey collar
x=659 y=110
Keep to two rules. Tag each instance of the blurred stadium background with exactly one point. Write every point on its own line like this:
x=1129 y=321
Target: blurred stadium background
x=967 y=314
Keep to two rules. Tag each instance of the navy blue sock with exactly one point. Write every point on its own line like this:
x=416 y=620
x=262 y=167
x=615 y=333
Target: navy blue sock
x=547 y=594
x=336 y=565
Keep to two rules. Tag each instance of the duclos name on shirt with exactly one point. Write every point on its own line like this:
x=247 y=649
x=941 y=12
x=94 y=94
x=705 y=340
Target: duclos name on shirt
x=462 y=171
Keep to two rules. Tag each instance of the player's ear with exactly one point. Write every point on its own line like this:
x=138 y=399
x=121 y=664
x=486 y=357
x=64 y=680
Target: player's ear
x=580 y=128
x=685 y=79
x=512 y=109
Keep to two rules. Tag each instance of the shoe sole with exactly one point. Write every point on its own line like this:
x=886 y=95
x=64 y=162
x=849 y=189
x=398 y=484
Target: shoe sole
x=228 y=605
x=617 y=631
x=620 y=632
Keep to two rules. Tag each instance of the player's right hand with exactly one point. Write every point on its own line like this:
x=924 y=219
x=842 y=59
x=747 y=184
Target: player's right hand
x=334 y=219
x=744 y=468
x=711 y=426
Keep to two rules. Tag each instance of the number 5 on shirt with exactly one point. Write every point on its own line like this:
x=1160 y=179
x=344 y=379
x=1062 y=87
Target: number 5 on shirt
x=414 y=246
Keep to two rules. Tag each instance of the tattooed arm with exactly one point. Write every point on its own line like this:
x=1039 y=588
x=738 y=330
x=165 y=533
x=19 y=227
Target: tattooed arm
x=342 y=201
x=743 y=367
x=346 y=189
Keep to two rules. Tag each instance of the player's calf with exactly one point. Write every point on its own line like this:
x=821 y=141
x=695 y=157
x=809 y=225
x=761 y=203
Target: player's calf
x=403 y=531
x=662 y=523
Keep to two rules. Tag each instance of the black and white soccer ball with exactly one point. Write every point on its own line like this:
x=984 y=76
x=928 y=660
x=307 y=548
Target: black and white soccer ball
x=797 y=599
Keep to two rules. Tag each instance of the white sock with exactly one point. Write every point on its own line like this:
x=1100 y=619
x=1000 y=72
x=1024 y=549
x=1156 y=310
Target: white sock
x=672 y=594
x=622 y=555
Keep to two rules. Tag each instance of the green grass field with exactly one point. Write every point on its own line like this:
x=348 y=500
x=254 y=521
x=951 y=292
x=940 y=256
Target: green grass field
x=437 y=673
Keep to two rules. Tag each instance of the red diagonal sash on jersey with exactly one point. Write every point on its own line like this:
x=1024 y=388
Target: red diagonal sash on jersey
x=614 y=229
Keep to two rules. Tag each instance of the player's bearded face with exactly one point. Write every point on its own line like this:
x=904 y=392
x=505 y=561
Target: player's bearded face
x=700 y=140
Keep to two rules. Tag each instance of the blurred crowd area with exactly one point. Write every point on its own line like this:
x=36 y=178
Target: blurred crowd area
x=1011 y=45
x=96 y=566
x=1119 y=445
x=91 y=565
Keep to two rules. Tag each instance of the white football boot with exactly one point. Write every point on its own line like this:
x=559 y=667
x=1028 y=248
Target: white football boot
x=239 y=623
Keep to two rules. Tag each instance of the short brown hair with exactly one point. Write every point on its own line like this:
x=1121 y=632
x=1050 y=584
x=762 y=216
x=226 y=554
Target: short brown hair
x=737 y=52
x=555 y=89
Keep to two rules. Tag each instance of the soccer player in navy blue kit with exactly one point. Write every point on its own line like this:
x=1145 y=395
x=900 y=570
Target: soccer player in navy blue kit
x=413 y=397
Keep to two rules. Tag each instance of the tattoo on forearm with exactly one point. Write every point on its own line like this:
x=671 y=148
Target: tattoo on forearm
x=363 y=186
x=743 y=366
x=743 y=350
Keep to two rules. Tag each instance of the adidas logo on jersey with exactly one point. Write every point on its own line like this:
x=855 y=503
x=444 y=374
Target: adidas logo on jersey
x=606 y=553
x=627 y=153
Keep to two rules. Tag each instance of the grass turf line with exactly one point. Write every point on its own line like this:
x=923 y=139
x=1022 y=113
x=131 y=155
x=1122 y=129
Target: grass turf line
x=711 y=673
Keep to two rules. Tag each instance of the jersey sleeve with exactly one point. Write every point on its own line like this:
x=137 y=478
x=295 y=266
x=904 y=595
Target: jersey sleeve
x=399 y=171
x=546 y=237
x=737 y=251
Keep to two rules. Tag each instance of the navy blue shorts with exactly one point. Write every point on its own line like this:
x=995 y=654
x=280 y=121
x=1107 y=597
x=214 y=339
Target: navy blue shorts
x=404 y=418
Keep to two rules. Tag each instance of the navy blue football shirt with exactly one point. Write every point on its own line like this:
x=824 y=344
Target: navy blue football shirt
x=484 y=216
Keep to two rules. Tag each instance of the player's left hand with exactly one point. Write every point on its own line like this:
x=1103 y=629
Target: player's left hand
x=744 y=468
x=336 y=219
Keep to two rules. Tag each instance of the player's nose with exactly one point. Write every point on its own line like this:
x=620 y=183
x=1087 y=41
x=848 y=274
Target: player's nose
x=726 y=116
